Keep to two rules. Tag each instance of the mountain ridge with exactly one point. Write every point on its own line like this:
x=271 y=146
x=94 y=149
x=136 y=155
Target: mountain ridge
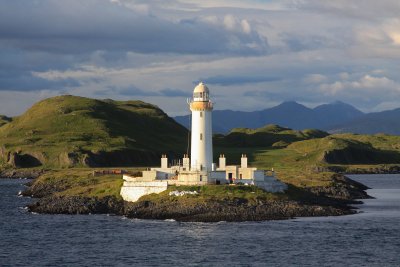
x=288 y=114
x=372 y=123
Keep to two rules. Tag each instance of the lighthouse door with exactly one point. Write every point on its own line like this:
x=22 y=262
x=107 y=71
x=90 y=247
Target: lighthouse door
x=230 y=177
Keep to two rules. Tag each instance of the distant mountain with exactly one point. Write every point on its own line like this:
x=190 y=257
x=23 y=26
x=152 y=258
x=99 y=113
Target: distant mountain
x=336 y=113
x=289 y=114
x=380 y=122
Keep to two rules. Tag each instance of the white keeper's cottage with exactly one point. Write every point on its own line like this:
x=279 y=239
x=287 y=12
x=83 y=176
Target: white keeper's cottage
x=199 y=169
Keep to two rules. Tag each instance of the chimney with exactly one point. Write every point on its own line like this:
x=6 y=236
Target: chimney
x=243 y=161
x=164 y=162
x=222 y=162
x=186 y=162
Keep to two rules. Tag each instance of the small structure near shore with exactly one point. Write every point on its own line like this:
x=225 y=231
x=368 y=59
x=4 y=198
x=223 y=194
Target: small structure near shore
x=199 y=169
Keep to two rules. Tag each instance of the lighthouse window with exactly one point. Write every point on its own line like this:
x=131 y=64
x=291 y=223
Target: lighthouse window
x=201 y=136
x=201 y=114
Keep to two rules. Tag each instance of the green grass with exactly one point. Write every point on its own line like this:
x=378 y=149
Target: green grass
x=297 y=165
x=67 y=131
x=301 y=162
x=269 y=135
x=216 y=193
x=4 y=120
x=54 y=127
x=289 y=165
x=81 y=182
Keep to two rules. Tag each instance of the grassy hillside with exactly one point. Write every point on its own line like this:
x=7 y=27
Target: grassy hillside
x=308 y=162
x=69 y=131
x=269 y=135
x=4 y=120
x=76 y=131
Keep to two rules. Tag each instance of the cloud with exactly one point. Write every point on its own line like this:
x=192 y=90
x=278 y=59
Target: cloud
x=252 y=54
x=366 y=9
x=367 y=83
x=315 y=78
x=133 y=91
x=236 y=80
x=297 y=42
x=24 y=81
x=79 y=27
x=174 y=93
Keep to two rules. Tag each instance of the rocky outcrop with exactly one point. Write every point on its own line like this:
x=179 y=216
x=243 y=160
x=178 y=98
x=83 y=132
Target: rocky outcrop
x=21 y=173
x=19 y=160
x=78 y=205
x=119 y=158
x=209 y=211
x=341 y=188
x=298 y=202
x=68 y=159
x=236 y=210
x=388 y=169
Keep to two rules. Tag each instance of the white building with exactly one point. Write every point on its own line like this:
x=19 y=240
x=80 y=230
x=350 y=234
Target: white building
x=199 y=169
x=201 y=142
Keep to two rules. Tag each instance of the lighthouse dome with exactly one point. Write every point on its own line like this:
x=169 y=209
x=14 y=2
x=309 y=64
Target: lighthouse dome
x=201 y=88
x=201 y=92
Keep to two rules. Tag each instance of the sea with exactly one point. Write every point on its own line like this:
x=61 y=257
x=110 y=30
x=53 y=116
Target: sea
x=369 y=238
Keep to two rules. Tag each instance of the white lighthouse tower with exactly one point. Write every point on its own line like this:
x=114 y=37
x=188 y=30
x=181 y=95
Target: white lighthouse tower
x=201 y=155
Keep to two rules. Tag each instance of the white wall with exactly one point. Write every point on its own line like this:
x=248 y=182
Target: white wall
x=201 y=149
x=132 y=191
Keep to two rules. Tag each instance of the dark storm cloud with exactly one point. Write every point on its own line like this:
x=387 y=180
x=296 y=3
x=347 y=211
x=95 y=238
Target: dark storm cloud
x=237 y=80
x=134 y=91
x=299 y=43
x=174 y=93
x=15 y=80
x=82 y=26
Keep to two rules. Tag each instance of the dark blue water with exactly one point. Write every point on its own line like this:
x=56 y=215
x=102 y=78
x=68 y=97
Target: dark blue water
x=371 y=238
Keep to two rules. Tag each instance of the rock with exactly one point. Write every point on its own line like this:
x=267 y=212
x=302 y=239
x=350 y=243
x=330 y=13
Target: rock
x=342 y=188
x=18 y=160
x=77 y=205
x=21 y=173
x=68 y=159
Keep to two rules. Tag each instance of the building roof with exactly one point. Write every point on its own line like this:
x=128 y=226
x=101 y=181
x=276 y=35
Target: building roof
x=201 y=88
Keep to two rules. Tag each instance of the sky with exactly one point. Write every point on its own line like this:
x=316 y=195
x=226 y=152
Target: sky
x=252 y=54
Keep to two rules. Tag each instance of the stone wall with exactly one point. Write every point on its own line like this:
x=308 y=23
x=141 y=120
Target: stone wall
x=132 y=191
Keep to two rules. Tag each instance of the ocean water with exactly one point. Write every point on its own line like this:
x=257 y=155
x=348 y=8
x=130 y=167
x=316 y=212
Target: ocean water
x=370 y=238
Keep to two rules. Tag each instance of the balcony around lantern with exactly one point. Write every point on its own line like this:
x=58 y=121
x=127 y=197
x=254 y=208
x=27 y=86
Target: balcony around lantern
x=200 y=105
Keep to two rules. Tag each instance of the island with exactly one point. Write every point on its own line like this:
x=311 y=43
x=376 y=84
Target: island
x=77 y=149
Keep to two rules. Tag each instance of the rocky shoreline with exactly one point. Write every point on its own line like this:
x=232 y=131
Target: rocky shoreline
x=318 y=201
x=21 y=173
x=235 y=210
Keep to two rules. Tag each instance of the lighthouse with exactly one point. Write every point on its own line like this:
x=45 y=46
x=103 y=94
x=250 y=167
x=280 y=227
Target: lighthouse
x=201 y=155
x=199 y=169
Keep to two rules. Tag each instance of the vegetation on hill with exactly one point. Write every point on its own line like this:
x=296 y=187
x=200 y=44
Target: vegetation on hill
x=72 y=131
x=269 y=135
x=68 y=131
x=312 y=162
x=4 y=120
